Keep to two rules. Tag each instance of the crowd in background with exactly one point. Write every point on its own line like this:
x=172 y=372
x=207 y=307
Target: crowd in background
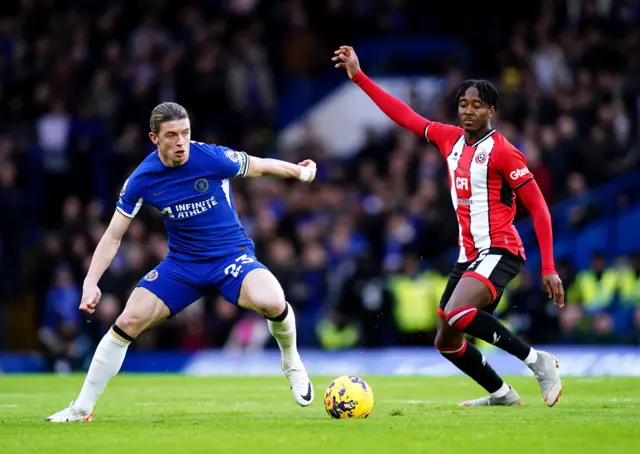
x=79 y=79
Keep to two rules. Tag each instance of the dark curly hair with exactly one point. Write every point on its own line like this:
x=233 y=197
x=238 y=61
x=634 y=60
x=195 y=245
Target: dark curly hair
x=487 y=91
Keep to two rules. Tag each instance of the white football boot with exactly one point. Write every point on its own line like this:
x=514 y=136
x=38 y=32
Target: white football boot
x=546 y=371
x=301 y=387
x=511 y=399
x=70 y=414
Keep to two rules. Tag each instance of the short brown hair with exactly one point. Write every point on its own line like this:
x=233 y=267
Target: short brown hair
x=167 y=111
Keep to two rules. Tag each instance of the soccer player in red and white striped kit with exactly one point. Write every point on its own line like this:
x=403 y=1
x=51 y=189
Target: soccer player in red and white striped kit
x=486 y=172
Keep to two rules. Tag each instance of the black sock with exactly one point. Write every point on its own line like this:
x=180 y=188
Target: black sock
x=472 y=363
x=488 y=328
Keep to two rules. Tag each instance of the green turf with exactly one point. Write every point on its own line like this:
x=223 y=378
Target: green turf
x=158 y=414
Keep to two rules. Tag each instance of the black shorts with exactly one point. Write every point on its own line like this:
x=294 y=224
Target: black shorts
x=495 y=267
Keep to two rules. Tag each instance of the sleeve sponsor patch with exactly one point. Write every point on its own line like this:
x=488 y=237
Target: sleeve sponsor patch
x=124 y=187
x=242 y=159
x=233 y=155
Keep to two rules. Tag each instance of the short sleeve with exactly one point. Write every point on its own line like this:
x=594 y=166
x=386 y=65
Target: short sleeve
x=512 y=165
x=228 y=163
x=443 y=136
x=130 y=199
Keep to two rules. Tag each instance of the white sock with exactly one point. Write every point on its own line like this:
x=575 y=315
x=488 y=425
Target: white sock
x=532 y=357
x=504 y=389
x=106 y=363
x=285 y=333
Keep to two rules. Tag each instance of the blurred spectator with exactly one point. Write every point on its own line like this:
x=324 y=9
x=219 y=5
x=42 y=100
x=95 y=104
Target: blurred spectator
x=416 y=295
x=594 y=303
x=629 y=316
x=582 y=210
x=366 y=300
x=60 y=333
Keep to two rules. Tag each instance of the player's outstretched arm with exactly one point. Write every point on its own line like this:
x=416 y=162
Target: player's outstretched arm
x=304 y=171
x=396 y=110
x=102 y=257
x=534 y=202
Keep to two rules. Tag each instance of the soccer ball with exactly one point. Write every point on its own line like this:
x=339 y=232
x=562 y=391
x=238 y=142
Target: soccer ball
x=348 y=397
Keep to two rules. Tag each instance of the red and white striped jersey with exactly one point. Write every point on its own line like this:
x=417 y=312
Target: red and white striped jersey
x=482 y=178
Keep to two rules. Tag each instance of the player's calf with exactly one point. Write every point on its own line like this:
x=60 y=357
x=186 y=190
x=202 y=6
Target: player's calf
x=466 y=357
x=262 y=293
x=106 y=363
x=469 y=360
x=480 y=324
x=463 y=313
x=142 y=310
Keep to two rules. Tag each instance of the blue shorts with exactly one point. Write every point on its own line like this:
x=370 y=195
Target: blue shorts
x=178 y=283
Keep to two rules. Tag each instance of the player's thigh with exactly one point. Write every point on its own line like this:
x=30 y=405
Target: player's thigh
x=452 y=282
x=167 y=290
x=446 y=336
x=501 y=276
x=243 y=280
x=469 y=292
x=261 y=292
x=485 y=280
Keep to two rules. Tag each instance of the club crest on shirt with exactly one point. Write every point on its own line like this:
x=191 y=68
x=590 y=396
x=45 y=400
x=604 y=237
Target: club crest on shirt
x=201 y=185
x=151 y=276
x=481 y=157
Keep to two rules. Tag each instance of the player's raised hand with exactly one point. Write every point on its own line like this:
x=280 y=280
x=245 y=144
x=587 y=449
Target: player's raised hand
x=90 y=297
x=311 y=165
x=554 y=288
x=346 y=58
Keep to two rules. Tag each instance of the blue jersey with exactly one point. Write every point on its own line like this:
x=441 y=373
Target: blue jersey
x=195 y=199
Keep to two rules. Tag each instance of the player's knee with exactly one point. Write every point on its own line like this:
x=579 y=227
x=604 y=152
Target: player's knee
x=452 y=350
x=449 y=342
x=447 y=338
x=270 y=303
x=460 y=317
x=131 y=323
x=142 y=310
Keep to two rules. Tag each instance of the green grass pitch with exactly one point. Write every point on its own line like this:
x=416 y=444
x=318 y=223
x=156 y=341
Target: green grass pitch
x=159 y=414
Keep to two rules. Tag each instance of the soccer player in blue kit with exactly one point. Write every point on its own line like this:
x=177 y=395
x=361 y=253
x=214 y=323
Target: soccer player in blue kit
x=189 y=182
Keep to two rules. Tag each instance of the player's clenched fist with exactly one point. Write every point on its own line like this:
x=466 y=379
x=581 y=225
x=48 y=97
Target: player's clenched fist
x=308 y=173
x=90 y=296
x=346 y=58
